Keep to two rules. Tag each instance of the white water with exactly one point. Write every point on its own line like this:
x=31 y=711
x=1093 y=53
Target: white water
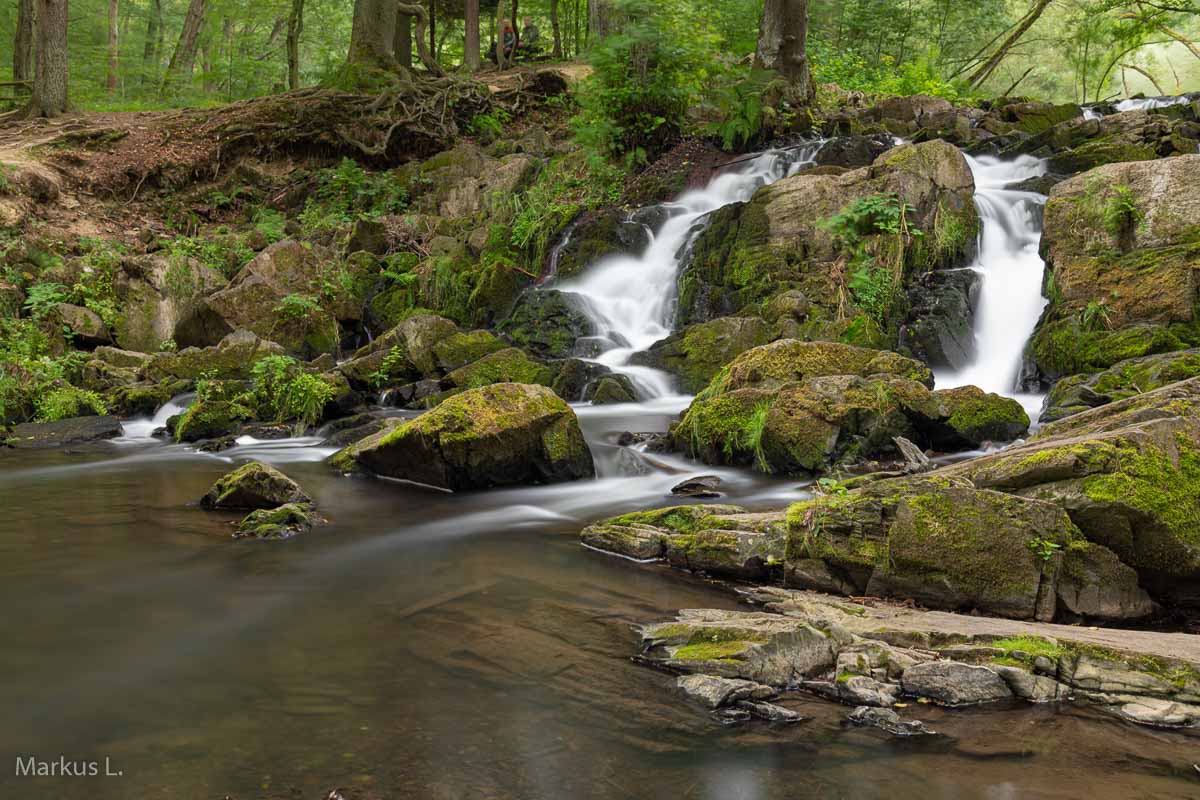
x=1010 y=299
x=631 y=299
x=141 y=428
x=1150 y=103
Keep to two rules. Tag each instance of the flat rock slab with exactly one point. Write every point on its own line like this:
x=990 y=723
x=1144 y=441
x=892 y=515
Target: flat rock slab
x=77 y=430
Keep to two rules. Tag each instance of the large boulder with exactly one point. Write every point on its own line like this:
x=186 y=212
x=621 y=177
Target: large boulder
x=794 y=407
x=493 y=436
x=596 y=234
x=421 y=347
x=161 y=299
x=86 y=328
x=275 y=297
x=1122 y=244
x=1077 y=145
x=781 y=239
x=254 y=486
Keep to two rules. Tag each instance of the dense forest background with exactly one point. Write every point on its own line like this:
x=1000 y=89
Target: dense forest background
x=1063 y=50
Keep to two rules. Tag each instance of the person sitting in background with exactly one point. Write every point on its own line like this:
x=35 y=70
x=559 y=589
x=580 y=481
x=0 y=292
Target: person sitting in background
x=508 y=35
x=530 y=36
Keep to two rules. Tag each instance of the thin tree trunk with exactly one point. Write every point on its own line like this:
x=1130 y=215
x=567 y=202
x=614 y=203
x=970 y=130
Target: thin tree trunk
x=433 y=27
x=783 y=43
x=984 y=72
x=502 y=62
x=601 y=20
x=471 y=43
x=150 y=53
x=183 y=60
x=294 y=31
x=404 y=39
x=51 y=75
x=23 y=41
x=557 y=53
x=114 y=46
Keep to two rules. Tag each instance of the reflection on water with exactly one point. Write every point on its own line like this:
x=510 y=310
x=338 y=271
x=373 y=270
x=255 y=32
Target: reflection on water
x=433 y=646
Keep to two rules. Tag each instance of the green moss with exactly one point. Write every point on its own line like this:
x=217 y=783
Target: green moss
x=276 y=523
x=1030 y=646
x=718 y=430
x=504 y=366
x=461 y=349
x=208 y=419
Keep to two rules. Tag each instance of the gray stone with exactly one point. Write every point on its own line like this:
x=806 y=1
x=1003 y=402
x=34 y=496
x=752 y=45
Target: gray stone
x=1030 y=687
x=888 y=720
x=74 y=431
x=953 y=684
x=717 y=692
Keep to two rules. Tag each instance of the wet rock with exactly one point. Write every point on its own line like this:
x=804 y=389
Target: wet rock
x=1122 y=263
x=717 y=692
x=853 y=151
x=770 y=712
x=1032 y=688
x=283 y=522
x=210 y=419
x=125 y=359
x=254 y=486
x=574 y=376
x=644 y=535
x=1160 y=713
x=597 y=234
x=940 y=326
x=66 y=432
x=548 y=322
x=611 y=390
x=367 y=235
x=697 y=353
x=950 y=683
x=860 y=690
x=889 y=721
x=704 y=486
x=749 y=252
x=493 y=436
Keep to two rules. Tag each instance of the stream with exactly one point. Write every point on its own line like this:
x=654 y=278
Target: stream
x=429 y=645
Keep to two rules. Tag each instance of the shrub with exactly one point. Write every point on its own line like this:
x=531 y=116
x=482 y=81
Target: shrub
x=41 y=298
x=67 y=401
x=285 y=392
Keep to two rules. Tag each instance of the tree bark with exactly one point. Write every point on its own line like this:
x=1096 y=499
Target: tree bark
x=23 y=41
x=557 y=53
x=51 y=75
x=988 y=67
x=183 y=60
x=471 y=45
x=373 y=34
x=154 y=38
x=433 y=27
x=601 y=20
x=502 y=62
x=783 y=43
x=403 y=44
x=294 y=31
x=114 y=47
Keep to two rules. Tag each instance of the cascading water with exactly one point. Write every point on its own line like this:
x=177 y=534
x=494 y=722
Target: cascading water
x=1010 y=299
x=630 y=299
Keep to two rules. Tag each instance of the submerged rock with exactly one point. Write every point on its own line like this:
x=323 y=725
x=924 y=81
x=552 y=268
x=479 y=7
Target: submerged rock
x=887 y=720
x=718 y=692
x=283 y=522
x=254 y=486
x=703 y=486
x=493 y=436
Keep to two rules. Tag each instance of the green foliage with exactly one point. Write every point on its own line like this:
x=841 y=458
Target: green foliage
x=96 y=288
x=224 y=255
x=64 y=402
x=285 y=392
x=752 y=436
x=740 y=106
x=270 y=223
x=1095 y=316
x=394 y=358
x=489 y=127
x=831 y=487
x=347 y=193
x=298 y=307
x=874 y=291
x=1044 y=549
x=1122 y=215
x=855 y=230
x=646 y=76
x=41 y=299
x=34 y=383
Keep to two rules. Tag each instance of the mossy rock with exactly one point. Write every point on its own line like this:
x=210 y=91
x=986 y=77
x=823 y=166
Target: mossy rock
x=141 y=399
x=283 y=522
x=977 y=417
x=696 y=354
x=211 y=419
x=254 y=486
x=547 y=322
x=504 y=366
x=498 y=435
x=789 y=361
x=1078 y=393
x=612 y=390
x=233 y=358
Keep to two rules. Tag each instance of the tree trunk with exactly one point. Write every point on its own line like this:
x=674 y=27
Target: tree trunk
x=502 y=62
x=23 y=41
x=114 y=47
x=51 y=75
x=183 y=60
x=373 y=34
x=294 y=31
x=601 y=20
x=433 y=27
x=783 y=43
x=988 y=67
x=403 y=44
x=471 y=45
x=154 y=37
x=558 y=51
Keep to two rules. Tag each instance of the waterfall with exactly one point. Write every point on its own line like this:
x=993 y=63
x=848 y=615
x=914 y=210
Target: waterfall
x=141 y=428
x=1010 y=299
x=631 y=299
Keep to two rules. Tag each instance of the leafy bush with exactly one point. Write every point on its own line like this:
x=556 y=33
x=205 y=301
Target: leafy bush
x=634 y=104
x=64 y=402
x=347 y=193
x=1122 y=216
x=297 y=306
x=29 y=374
x=285 y=392
x=41 y=298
